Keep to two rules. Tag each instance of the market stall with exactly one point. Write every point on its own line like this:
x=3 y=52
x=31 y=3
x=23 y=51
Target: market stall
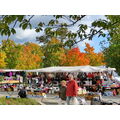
x=88 y=72
x=9 y=78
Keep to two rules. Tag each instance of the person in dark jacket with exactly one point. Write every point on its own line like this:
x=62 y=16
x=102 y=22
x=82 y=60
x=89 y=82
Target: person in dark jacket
x=62 y=92
x=22 y=93
x=72 y=89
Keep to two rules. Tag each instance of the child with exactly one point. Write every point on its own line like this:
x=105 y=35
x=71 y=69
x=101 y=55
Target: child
x=62 y=93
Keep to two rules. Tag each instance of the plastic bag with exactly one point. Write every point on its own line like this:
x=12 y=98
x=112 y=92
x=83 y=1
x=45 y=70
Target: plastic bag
x=61 y=102
x=83 y=101
x=74 y=101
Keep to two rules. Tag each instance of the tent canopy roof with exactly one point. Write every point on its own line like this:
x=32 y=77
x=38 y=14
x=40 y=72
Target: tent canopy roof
x=65 y=69
x=72 y=69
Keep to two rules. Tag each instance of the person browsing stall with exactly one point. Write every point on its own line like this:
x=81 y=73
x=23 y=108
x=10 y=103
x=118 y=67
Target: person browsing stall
x=62 y=92
x=72 y=89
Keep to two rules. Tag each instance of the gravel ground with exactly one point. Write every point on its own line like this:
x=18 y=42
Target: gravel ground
x=53 y=99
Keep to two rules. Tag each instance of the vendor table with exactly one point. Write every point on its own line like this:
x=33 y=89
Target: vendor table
x=117 y=89
x=89 y=96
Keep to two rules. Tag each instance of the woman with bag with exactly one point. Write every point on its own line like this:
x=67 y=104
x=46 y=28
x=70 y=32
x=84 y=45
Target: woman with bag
x=71 y=91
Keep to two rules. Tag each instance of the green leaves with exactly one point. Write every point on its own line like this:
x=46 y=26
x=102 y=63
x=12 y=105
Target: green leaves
x=25 y=24
x=13 y=31
x=51 y=22
x=58 y=26
x=20 y=17
x=38 y=29
x=112 y=53
x=72 y=35
x=58 y=16
x=41 y=24
x=69 y=43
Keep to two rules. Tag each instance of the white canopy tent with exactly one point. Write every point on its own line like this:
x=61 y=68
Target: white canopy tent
x=72 y=69
x=65 y=69
x=10 y=70
x=109 y=69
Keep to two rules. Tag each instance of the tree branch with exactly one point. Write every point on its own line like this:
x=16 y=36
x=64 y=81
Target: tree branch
x=82 y=16
x=89 y=36
x=30 y=18
x=15 y=24
x=68 y=18
x=68 y=25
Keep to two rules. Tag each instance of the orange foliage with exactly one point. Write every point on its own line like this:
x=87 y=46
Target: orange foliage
x=30 y=57
x=88 y=48
x=75 y=58
x=96 y=59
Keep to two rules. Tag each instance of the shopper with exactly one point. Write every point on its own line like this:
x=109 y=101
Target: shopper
x=62 y=93
x=72 y=90
x=22 y=93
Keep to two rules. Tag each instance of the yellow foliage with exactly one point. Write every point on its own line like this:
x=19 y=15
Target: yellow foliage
x=30 y=57
x=2 y=59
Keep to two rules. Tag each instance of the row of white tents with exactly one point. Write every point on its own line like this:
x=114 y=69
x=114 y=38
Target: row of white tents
x=65 y=69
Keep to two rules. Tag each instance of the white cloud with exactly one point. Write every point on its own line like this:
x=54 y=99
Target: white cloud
x=28 y=34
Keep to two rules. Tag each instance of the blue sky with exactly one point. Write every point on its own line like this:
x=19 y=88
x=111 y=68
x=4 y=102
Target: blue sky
x=23 y=36
x=95 y=42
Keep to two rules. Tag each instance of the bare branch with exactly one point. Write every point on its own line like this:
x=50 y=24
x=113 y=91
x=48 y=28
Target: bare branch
x=89 y=36
x=68 y=18
x=68 y=25
x=30 y=18
x=15 y=24
x=82 y=16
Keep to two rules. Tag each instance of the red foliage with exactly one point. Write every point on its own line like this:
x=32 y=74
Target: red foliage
x=76 y=58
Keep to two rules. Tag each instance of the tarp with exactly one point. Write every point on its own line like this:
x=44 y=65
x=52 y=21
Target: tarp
x=9 y=70
x=108 y=68
x=65 y=69
x=72 y=69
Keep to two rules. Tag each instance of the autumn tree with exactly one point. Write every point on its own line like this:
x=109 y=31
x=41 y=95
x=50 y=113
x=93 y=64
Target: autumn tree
x=53 y=53
x=2 y=59
x=12 y=52
x=30 y=57
x=61 y=34
x=96 y=59
x=75 y=58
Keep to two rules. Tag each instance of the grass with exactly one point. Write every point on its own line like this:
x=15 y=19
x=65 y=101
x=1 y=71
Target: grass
x=18 y=101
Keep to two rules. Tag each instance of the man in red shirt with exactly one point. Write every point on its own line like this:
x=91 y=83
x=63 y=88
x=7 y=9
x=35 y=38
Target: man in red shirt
x=72 y=89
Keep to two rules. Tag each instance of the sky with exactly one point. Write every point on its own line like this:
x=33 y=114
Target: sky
x=29 y=35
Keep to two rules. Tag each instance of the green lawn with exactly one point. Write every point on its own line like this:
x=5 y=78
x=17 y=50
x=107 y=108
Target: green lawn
x=18 y=101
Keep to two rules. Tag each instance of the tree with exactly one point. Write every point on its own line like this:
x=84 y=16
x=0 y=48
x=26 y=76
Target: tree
x=62 y=34
x=53 y=53
x=30 y=57
x=112 y=53
x=96 y=59
x=112 y=56
x=12 y=52
x=2 y=59
x=75 y=58
x=54 y=26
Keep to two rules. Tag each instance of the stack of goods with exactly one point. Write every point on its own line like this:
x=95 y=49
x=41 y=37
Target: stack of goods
x=91 y=95
x=82 y=92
